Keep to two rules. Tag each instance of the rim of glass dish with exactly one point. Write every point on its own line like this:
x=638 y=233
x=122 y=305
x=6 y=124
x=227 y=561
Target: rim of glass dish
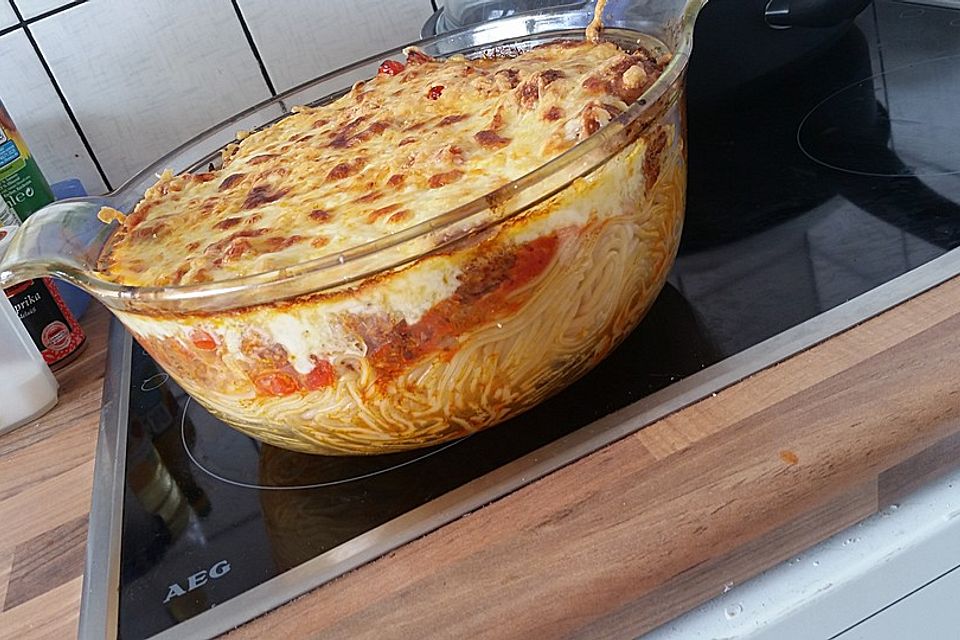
x=608 y=134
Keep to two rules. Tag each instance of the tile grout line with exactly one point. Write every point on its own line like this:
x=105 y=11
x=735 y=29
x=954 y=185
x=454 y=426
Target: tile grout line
x=253 y=47
x=40 y=16
x=53 y=12
x=21 y=22
x=24 y=24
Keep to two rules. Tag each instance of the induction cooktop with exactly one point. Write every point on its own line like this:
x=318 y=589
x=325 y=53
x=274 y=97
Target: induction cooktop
x=817 y=198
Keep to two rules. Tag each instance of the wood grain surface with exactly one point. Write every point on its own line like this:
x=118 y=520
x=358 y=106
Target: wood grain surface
x=609 y=546
x=46 y=475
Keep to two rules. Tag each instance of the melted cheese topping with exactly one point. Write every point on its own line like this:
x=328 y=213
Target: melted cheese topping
x=596 y=25
x=415 y=141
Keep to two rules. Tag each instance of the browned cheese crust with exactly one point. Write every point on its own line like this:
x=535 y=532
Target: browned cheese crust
x=413 y=142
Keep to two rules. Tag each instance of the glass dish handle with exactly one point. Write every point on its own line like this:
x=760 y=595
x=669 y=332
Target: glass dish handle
x=63 y=240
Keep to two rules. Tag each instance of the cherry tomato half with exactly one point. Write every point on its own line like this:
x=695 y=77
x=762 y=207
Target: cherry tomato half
x=203 y=340
x=322 y=375
x=391 y=67
x=276 y=383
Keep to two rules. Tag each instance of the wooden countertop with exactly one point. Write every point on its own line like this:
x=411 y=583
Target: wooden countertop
x=609 y=546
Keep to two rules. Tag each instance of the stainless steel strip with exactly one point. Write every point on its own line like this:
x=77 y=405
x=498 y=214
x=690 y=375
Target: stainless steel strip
x=101 y=575
x=509 y=478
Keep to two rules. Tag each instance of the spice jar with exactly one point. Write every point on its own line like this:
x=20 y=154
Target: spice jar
x=44 y=314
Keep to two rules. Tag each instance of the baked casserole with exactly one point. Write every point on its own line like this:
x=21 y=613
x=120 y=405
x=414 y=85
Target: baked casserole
x=460 y=338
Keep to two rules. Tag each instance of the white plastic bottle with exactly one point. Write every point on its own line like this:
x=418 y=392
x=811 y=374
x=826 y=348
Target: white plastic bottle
x=7 y=217
x=28 y=388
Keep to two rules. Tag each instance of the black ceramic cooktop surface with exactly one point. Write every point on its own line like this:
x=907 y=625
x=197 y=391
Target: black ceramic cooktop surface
x=806 y=189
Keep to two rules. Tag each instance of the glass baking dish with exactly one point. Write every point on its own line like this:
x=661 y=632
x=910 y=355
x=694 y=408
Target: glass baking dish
x=601 y=221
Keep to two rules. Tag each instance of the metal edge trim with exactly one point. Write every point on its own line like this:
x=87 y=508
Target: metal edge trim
x=537 y=464
x=101 y=575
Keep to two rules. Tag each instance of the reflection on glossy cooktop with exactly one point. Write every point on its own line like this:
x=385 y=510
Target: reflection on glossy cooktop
x=200 y=493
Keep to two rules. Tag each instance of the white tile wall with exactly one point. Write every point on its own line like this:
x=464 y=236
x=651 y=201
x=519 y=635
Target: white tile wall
x=7 y=17
x=302 y=39
x=34 y=106
x=144 y=76
x=32 y=8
